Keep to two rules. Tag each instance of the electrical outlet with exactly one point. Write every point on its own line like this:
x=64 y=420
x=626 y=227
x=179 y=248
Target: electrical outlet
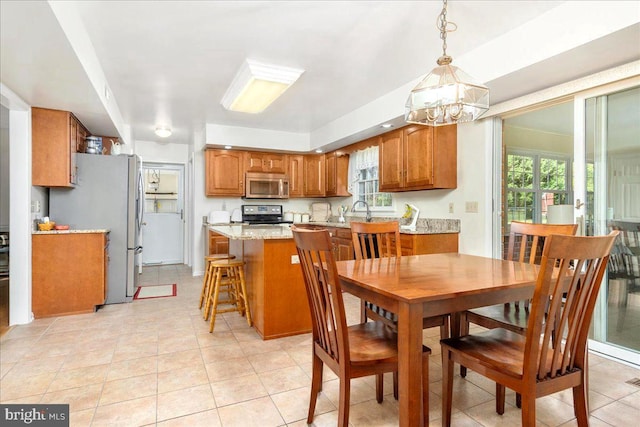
x=471 y=207
x=451 y=207
x=295 y=259
x=35 y=206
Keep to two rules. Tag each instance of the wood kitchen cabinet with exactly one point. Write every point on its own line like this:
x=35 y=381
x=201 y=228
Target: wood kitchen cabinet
x=418 y=158
x=69 y=273
x=337 y=167
x=224 y=172
x=342 y=243
x=56 y=138
x=296 y=175
x=266 y=162
x=419 y=244
x=218 y=244
x=314 y=175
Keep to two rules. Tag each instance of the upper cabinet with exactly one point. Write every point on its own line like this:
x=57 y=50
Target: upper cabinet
x=56 y=138
x=418 y=158
x=314 y=175
x=296 y=175
x=336 y=174
x=224 y=172
x=266 y=162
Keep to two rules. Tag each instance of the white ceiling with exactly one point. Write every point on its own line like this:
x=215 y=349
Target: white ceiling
x=171 y=62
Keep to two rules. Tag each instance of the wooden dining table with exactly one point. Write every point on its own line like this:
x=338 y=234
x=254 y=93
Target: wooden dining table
x=420 y=286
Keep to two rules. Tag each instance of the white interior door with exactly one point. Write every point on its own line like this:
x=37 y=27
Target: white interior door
x=163 y=227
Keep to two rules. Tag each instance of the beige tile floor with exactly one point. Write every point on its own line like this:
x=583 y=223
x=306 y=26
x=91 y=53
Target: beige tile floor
x=152 y=362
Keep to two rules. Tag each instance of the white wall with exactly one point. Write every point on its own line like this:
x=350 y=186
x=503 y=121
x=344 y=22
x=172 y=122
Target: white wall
x=4 y=167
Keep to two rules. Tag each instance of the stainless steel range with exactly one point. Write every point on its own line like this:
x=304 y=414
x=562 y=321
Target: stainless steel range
x=4 y=253
x=263 y=214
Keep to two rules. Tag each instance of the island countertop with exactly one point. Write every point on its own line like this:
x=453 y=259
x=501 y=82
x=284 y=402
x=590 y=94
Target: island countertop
x=283 y=231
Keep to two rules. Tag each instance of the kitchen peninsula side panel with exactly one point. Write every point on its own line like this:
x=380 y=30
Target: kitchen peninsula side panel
x=277 y=296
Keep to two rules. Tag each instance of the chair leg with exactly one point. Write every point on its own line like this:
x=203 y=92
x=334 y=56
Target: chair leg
x=316 y=383
x=447 y=387
x=581 y=403
x=395 y=385
x=445 y=329
x=363 y=311
x=462 y=325
x=499 y=399
x=518 y=400
x=205 y=284
x=343 y=406
x=529 y=410
x=379 y=387
x=425 y=389
x=243 y=290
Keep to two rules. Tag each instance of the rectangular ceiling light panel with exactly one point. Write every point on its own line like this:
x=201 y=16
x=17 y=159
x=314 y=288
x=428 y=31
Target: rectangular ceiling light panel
x=257 y=85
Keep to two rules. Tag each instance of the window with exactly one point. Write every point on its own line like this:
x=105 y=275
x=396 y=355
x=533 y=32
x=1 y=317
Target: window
x=535 y=181
x=363 y=180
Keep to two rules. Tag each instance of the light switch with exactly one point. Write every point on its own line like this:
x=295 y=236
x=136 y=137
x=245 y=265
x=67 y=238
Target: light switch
x=471 y=207
x=295 y=259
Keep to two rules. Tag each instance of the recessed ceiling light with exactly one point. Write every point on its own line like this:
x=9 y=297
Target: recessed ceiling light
x=386 y=125
x=163 y=131
x=257 y=85
x=319 y=150
x=228 y=147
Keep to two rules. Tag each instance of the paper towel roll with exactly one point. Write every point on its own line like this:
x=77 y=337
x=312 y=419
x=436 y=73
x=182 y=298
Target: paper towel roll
x=560 y=214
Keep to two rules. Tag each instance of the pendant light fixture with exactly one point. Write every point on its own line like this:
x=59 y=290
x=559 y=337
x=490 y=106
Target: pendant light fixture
x=447 y=95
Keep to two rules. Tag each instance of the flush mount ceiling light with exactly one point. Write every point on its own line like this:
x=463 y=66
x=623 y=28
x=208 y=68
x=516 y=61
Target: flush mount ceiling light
x=447 y=95
x=257 y=85
x=163 y=131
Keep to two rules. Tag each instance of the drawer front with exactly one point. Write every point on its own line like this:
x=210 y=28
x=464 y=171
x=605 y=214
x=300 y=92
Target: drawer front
x=343 y=233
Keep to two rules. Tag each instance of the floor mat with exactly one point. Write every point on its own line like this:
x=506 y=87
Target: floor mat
x=155 y=291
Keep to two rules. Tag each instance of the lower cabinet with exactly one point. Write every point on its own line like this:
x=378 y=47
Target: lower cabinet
x=410 y=244
x=69 y=273
x=218 y=244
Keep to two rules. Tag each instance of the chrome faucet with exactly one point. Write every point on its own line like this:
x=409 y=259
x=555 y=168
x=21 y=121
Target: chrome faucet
x=366 y=205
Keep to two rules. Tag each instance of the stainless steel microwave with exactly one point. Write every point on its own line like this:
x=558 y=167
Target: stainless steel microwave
x=266 y=186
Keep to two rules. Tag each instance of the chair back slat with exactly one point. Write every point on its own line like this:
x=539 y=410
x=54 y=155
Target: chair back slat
x=323 y=291
x=376 y=239
x=571 y=266
x=526 y=243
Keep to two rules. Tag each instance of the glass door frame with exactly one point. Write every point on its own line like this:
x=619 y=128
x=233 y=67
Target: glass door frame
x=599 y=326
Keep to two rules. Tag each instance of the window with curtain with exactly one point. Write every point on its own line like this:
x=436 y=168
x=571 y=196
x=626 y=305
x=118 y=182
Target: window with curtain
x=363 y=180
x=534 y=182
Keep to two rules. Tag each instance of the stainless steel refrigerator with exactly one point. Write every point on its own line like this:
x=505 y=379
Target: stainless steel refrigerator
x=108 y=194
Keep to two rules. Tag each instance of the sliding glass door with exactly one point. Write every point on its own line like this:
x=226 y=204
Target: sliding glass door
x=607 y=181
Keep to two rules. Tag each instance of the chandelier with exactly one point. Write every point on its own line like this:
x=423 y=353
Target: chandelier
x=447 y=95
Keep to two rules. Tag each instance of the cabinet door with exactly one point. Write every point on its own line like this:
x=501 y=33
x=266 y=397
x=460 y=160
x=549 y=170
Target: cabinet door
x=418 y=156
x=224 y=173
x=275 y=163
x=254 y=161
x=331 y=166
x=296 y=175
x=51 y=148
x=314 y=176
x=390 y=170
x=218 y=244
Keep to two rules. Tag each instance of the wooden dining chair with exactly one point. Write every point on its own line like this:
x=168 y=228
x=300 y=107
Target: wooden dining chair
x=565 y=294
x=350 y=352
x=526 y=242
x=382 y=239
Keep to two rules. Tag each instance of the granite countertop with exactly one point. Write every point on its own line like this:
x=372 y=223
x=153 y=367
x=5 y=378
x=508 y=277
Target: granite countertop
x=97 y=230
x=253 y=232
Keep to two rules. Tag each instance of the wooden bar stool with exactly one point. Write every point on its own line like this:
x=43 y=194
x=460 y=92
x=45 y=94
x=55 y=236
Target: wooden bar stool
x=208 y=278
x=227 y=275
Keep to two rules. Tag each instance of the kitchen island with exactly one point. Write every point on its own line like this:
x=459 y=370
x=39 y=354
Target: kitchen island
x=275 y=287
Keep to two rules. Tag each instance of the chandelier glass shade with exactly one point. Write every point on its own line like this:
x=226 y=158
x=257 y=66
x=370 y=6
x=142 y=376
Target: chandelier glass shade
x=447 y=95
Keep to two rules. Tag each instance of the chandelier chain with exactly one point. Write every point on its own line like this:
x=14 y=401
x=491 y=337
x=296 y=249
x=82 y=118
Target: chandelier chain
x=445 y=27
